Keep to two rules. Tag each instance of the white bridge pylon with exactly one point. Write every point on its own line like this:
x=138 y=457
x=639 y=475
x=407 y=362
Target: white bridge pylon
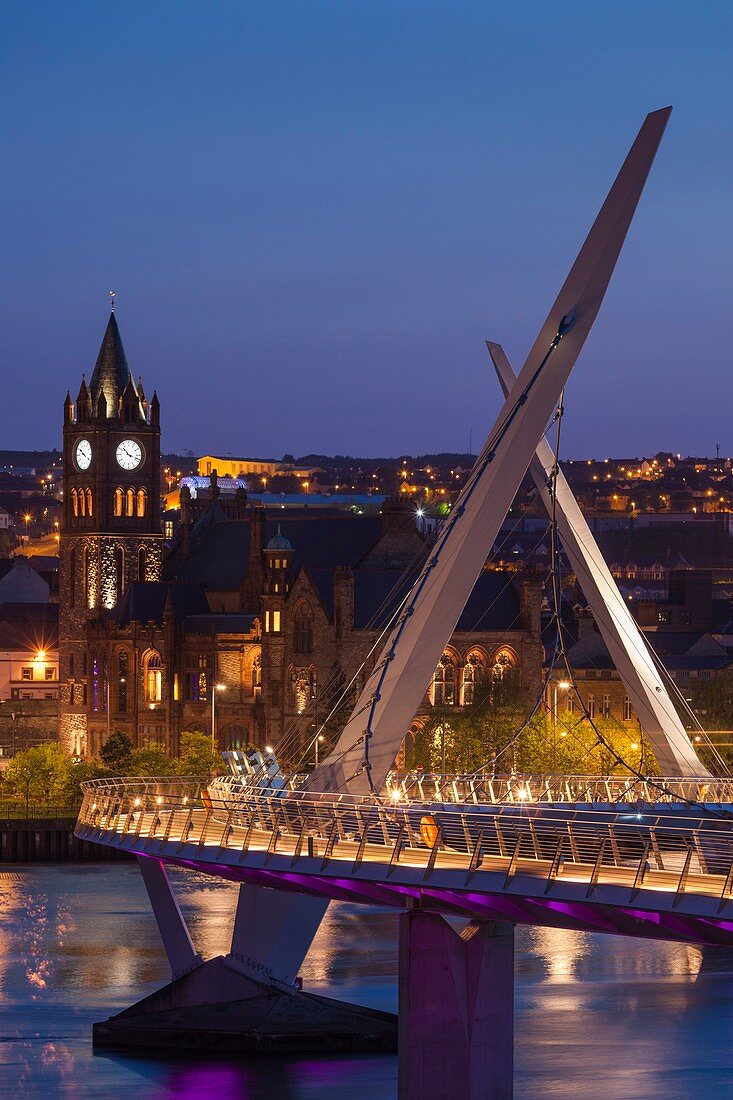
x=625 y=643
x=368 y=745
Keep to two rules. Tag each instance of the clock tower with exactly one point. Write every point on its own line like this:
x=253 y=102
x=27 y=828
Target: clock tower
x=111 y=529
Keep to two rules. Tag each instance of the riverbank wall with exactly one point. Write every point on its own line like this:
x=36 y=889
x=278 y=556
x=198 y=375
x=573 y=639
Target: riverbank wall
x=49 y=840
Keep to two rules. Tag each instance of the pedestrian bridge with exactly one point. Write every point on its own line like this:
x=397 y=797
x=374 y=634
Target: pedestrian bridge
x=527 y=850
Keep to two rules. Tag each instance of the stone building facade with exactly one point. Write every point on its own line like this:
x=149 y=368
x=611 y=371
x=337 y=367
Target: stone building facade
x=110 y=531
x=251 y=622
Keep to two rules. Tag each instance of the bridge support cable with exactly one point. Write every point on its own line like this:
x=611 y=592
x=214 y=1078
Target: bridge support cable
x=627 y=647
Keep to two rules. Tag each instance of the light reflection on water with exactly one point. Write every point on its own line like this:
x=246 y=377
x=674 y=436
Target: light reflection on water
x=611 y=1019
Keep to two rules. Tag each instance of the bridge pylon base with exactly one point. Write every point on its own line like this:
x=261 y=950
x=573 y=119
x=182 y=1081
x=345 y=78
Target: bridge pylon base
x=216 y=1008
x=456 y=1009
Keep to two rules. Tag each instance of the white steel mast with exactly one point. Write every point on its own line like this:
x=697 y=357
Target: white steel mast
x=366 y=749
x=625 y=643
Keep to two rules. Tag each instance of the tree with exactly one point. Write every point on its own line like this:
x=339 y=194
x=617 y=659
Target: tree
x=79 y=773
x=152 y=760
x=41 y=773
x=116 y=752
x=197 y=757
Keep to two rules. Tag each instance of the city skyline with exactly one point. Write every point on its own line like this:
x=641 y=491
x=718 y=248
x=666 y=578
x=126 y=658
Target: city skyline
x=340 y=211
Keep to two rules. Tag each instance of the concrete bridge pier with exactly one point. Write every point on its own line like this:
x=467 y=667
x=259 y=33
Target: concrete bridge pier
x=456 y=1009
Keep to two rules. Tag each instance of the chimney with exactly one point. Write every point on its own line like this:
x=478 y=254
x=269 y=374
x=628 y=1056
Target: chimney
x=397 y=515
x=343 y=600
x=586 y=622
x=530 y=604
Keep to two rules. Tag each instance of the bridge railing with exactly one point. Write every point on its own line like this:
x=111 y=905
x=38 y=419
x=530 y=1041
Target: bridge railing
x=660 y=849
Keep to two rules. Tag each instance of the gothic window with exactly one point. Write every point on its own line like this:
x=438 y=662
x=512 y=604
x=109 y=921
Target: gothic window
x=153 y=677
x=142 y=501
x=88 y=495
x=82 y=498
x=74 y=502
x=473 y=679
x=444 y=683
x=141 y=560
x=118 y=502
x=505 y=665
x=197 y=682
x=122 y=676
x=303 y=630
x=257 y=677
x=120 y=571
x=130 y=502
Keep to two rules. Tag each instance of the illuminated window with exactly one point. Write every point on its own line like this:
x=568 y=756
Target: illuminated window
x=444 y=683
x=267 y=622
x=142 y=502
x=74 y=502
x=122 y=676
x=257 y=677
x=89 y=501
x=81 y=496
x=120 y=571
x=153 y=677
x=276 y=622
x=118 y=502
x=505 y=665
x=130 y=502
x=473 y=679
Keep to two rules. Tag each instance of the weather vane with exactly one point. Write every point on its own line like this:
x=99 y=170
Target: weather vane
x=112 y=299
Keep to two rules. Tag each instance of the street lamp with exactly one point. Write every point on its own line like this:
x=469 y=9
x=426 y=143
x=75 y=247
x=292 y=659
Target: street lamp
x=214 y=689
x=27 y=517
x=563 y=685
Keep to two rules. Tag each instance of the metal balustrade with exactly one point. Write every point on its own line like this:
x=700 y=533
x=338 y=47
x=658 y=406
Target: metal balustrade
x=343 y=834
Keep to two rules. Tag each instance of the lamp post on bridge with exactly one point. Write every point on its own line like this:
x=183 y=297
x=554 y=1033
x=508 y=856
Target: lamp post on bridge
x=214 y=689
x=563 y=685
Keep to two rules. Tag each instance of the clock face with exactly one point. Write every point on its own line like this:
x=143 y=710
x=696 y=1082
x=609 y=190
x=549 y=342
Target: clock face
x=129 y=454
x=83 y=454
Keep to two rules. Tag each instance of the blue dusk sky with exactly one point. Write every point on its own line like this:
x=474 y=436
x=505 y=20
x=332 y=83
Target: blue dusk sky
x=314 y=213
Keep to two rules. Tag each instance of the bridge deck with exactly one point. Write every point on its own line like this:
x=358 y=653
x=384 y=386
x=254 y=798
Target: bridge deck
x=655 y=875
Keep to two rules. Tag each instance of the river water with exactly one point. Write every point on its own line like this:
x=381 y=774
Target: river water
x=596 y=1017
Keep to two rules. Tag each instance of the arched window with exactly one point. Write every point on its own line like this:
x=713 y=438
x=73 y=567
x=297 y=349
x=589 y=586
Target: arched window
x=142 y=502
x=303 y=630
x=74 y=502
x=141 y=557
x=257 y=677
x=130 y=502
x=505 y=665
x=89 y=502
x=119 y=571
x=118 y=502
x=123 y=667
x=81 y=495
x=473 y=679
x=153 y=677
x=444 y=682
